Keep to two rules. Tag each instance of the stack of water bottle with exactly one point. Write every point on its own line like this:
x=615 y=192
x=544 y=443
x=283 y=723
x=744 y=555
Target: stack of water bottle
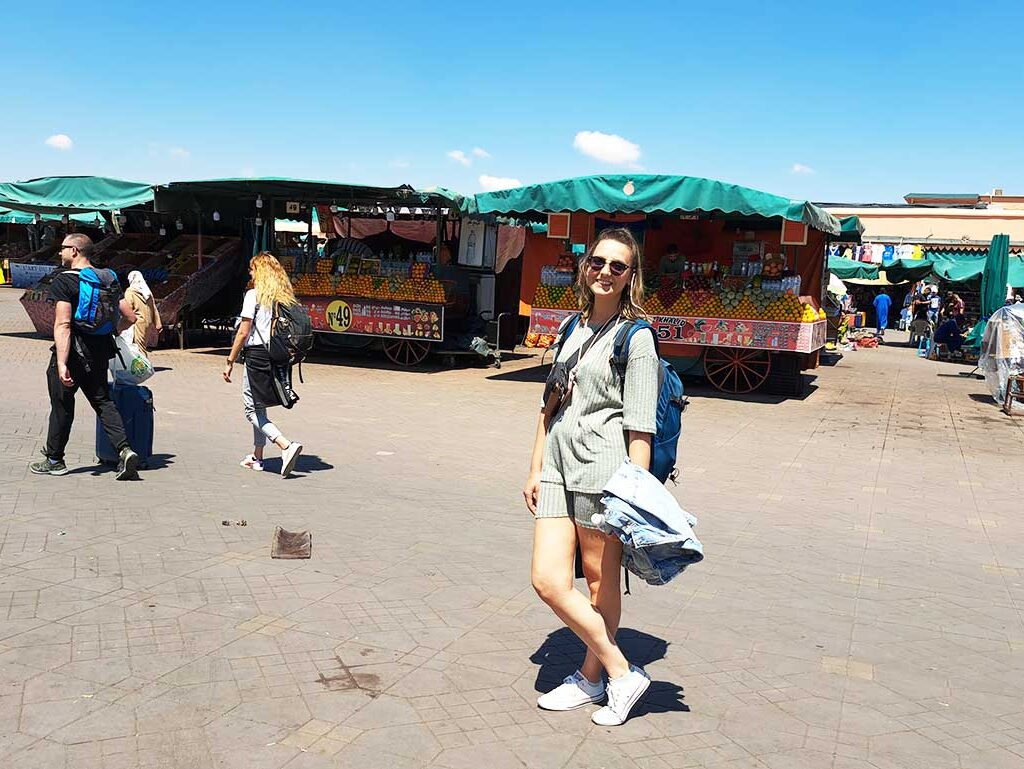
x=790 y=284
x=552 y=276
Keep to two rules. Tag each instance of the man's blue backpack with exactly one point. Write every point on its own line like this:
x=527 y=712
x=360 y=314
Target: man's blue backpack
x=99 y=297
x=671 y=401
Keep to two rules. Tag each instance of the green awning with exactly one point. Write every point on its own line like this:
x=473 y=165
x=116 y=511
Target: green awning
x=24 y=217
x=177 y=195
x=902 y=270
x=452 y=198
x=1015 y=277
x=851 y=229
x=647 y=193
x=846 y=269
x=73 y=194
x=956 y=268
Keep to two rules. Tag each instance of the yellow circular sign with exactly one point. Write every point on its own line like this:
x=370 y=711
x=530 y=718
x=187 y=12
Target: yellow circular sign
x=339 y=315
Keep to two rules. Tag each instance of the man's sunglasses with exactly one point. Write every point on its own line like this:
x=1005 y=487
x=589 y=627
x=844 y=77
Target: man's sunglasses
x=66 y=245
x=596 y=263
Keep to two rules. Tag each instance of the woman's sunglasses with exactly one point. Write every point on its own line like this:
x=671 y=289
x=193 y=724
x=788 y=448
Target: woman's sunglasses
x=596 y=263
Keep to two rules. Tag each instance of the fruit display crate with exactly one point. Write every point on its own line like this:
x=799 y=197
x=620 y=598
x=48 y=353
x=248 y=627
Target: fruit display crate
x=743 y=333
x=394 y=289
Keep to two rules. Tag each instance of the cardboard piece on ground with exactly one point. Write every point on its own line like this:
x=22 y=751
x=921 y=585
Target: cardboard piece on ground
x=291 y=544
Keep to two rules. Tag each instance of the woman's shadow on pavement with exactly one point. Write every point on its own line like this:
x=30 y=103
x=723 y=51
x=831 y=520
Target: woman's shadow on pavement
x=305 y=464
x=562 y=653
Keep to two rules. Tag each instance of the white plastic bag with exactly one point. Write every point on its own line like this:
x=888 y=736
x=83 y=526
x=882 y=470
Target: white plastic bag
x=130 y=364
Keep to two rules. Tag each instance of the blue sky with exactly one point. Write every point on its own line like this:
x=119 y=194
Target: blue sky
x=853 y=102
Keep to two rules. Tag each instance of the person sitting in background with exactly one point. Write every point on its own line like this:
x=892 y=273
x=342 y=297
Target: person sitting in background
x=670 y=263
x=140 y=297
x=904 y=322
x=949 y=334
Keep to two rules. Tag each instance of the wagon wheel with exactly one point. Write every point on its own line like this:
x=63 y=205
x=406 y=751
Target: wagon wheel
x=736 y=371
x=406 y=352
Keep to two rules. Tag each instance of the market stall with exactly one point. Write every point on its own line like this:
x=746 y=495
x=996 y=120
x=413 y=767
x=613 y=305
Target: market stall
x=734 y=276
x=380 y=280
x=28 y=243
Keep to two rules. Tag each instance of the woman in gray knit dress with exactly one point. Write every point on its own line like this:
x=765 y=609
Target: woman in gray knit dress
x=577 y=449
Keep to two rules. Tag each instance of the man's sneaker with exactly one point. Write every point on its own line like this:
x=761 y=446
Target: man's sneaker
x=574 y=692
x=251 y=463
x=289 y=457
x=127 y=465
x=49 y=467
x=624 y=693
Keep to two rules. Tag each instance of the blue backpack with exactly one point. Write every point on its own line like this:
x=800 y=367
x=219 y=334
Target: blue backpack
x=99 y=296
x=671 y=401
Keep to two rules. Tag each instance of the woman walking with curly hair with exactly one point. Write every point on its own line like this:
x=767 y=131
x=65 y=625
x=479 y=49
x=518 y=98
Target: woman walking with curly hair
x=271 y=289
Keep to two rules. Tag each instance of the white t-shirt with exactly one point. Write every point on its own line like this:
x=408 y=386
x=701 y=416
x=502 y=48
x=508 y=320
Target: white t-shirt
x=263 y=318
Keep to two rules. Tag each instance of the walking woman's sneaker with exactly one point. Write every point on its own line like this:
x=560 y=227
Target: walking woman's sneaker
x=574 y=692
x=127 y=465
x=49 y=467
x=288 y=458
x=624 y=693
x=251 y=463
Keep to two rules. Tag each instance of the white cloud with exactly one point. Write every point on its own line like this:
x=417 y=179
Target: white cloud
x=608 y=148
x=481 y=153
x=399 y=163
x=460 y=157
x=800 y=168
x=60 y=142
x=492 y=183
x=179 y=152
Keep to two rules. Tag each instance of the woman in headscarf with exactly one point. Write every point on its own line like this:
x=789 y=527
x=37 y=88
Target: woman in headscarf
x=140 y=297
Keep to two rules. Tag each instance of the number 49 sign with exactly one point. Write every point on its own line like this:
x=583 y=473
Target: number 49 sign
x=339 y=315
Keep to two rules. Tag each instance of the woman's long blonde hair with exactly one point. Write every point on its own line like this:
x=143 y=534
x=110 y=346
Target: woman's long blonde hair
x=631 y=301
x=271 y=281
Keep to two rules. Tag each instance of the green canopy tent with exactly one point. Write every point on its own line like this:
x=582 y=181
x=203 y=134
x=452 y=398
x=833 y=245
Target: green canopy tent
x=649 y=193
x=235 y=198
x=851 y=229
x=73 y=194
x=904 y=270
x=847 y=269
x=23 y=217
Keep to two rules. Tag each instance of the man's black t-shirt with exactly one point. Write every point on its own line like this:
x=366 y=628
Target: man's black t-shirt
x=64 y=288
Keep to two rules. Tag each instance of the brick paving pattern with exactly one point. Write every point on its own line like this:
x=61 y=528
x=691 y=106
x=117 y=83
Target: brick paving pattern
x=859 y=606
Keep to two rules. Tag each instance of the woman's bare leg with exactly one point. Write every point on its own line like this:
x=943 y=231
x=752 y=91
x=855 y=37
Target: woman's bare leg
x=602 y=561
x=554 y=545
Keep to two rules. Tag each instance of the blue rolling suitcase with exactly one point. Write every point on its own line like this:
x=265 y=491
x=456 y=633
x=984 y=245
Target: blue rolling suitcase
x=135 y=405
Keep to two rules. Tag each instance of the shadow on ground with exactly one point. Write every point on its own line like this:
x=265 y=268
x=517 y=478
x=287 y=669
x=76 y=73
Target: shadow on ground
x=562 y=653
x=304 y=465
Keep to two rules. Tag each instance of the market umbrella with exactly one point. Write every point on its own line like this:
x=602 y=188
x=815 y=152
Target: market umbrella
x=993 y=277
x=993 y=286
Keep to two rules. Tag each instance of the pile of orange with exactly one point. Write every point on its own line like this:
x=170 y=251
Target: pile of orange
x=555 y=297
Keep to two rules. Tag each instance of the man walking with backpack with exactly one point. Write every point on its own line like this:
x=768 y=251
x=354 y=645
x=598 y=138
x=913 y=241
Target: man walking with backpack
x=88 y=305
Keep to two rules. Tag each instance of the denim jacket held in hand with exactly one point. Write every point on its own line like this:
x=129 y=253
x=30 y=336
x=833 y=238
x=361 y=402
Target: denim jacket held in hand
x=657 y=536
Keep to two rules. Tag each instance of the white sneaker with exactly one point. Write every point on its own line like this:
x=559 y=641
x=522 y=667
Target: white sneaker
x=289 y=457
x=624 y=693
x=574 y=692
x=249 y=462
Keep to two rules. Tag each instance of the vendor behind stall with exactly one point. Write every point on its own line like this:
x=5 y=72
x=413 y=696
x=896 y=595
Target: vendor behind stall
x=671 y=264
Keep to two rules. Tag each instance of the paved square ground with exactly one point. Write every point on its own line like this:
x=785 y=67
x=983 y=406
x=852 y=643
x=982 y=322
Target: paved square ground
x=860 y=604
